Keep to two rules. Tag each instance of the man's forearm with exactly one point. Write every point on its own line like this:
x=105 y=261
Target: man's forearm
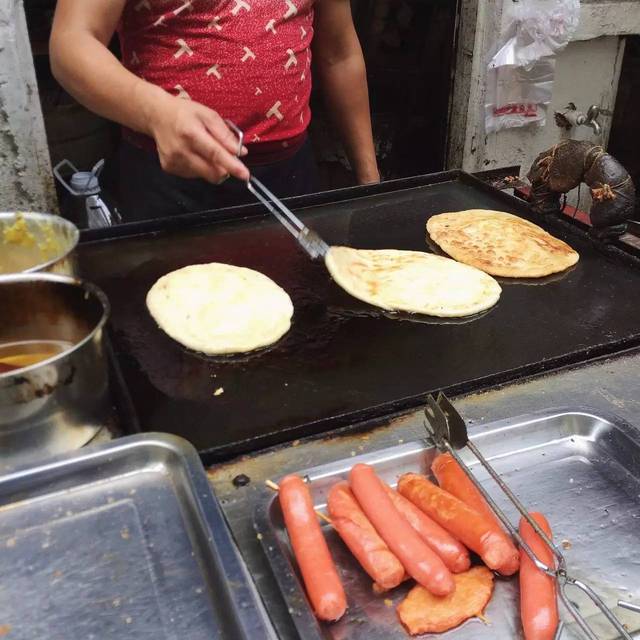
x=98 y=80
x=192 y=140
x=347 y=97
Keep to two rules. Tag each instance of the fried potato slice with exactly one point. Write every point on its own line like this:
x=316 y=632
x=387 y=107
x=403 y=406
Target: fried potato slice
x=422 y=612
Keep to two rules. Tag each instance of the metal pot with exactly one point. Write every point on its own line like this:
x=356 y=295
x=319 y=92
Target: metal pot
x=31 y=242
x=59 y=403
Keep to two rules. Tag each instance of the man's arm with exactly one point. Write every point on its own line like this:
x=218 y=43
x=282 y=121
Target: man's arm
x=342 y=73
x=192 y=140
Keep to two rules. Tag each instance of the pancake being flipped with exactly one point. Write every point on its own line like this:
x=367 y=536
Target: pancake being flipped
x=500 y=243
x=220 y=308
x=412 y=281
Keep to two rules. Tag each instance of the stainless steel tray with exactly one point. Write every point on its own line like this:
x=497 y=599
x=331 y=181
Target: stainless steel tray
x=580 y=469
x=123 y=540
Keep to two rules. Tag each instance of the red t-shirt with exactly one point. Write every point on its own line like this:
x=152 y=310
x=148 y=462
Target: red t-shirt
x=250 y=60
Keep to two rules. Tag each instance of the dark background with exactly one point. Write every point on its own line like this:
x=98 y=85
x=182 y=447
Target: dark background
x=624 y=140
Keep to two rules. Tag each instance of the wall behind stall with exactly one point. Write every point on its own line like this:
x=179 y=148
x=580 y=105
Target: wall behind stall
x=587 y=72
x=25 y=169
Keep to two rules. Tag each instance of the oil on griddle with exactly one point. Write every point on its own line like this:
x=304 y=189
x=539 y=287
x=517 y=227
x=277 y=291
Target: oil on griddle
x=343 y=360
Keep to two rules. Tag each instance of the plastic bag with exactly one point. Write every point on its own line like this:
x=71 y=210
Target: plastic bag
x=520 y=74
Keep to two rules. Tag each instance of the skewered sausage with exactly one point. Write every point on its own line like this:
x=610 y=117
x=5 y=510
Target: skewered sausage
x=312 y=554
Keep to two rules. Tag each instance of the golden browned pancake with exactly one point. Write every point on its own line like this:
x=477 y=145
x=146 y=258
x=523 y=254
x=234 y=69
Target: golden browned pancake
x=500 y=243
x=412 y=281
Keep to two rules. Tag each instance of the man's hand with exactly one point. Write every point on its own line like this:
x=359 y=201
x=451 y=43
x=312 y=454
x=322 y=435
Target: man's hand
x=369 y=176
x=193 y=141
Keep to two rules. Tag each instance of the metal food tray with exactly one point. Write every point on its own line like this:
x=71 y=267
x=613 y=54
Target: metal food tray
x=580 y=469
x=123 y=540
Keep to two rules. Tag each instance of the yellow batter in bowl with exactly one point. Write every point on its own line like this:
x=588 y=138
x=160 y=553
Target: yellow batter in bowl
x=29 y=240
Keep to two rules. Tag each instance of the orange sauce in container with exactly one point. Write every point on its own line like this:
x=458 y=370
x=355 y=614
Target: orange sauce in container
x=18 y=355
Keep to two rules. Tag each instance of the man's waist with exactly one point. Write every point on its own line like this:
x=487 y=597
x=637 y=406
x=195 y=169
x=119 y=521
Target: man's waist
x=260 y=153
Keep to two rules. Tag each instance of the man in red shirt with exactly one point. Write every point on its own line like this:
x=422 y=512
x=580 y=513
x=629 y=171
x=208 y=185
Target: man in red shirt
x=187 y=65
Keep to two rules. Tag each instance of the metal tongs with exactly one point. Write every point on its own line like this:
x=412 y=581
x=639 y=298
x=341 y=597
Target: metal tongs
x=449 y=433
x=308 y=239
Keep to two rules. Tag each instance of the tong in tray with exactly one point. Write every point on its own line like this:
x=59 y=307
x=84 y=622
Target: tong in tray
x=449 y=433
x=309 y=240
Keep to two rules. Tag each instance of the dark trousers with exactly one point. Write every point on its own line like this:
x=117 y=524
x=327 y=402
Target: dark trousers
x=142 y=190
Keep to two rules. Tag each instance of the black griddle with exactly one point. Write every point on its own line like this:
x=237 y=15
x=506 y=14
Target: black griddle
x=344 y=361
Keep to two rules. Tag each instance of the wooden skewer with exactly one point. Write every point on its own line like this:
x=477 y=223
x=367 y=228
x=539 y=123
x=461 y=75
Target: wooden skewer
x=274 y=487
x=324 y=517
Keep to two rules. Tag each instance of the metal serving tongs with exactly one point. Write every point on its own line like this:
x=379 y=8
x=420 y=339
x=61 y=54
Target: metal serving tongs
x=449 y=433
x=308 y=239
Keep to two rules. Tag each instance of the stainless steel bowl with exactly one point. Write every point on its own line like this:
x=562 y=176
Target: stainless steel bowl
x=31 y=242
x=59 y=403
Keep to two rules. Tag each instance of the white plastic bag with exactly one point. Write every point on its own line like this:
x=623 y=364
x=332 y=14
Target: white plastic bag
x=520 y=74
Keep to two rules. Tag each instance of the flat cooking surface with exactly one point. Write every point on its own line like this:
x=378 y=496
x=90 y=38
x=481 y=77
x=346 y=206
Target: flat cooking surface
x=579 y=469
x=341 y=356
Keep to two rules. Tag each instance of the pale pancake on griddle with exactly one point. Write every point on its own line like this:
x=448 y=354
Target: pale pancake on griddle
x=412 y=281
x=500 y=243
x=220 y=308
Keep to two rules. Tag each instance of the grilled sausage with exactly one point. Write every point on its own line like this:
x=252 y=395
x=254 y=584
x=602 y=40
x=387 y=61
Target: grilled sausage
x=419 y=560
x=316 y=565
x=464 y=523
x=453 y=553
x=454 y=480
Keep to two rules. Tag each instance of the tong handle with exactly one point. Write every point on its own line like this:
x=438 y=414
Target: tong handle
x=310 y=241
x=268 y=199
x=296 y=224
x=288 y=224
x=239 y=134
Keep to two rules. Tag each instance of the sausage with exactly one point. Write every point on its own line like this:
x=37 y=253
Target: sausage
x=464 y=523
x=538 y=601
x=454 y=480
x=453 y=553
x=363 y=540
x=316 y=565
x=419 y=560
